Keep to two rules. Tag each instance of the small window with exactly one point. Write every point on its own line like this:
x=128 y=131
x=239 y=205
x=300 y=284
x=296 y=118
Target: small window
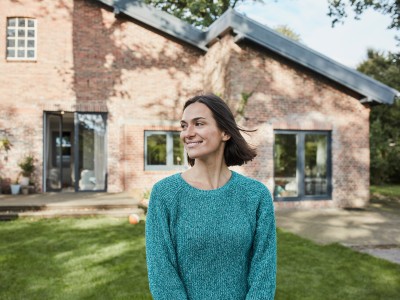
x=163 y=150
x=21 y=39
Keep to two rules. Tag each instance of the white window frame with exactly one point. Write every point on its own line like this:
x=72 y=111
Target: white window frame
x=170 y=146
x=21 y=42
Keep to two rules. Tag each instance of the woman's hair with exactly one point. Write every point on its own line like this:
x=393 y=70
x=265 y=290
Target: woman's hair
x=237 y=151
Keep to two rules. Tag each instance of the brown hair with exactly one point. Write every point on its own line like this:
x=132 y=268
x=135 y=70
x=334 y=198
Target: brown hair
x=237 y=151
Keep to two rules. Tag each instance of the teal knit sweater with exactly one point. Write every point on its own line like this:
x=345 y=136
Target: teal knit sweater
x=211 y=244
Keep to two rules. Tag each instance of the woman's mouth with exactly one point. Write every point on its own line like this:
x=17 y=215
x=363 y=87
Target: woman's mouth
x=192 y=144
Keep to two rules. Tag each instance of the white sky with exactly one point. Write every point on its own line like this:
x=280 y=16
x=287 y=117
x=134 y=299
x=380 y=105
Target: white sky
x=345 y=43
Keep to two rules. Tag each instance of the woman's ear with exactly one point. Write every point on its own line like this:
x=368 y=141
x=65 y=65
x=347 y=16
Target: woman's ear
x=225 y=136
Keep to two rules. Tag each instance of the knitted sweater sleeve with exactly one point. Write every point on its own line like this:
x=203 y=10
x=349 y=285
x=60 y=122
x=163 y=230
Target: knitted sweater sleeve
x=262 y=275
x=164 y=279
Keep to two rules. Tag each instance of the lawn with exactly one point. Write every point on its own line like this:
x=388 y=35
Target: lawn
x=104 y=258
x=386 y=198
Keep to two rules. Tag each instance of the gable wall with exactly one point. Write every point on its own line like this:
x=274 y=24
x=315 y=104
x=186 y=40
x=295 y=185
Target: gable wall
x=89 y=60
x=288 y=97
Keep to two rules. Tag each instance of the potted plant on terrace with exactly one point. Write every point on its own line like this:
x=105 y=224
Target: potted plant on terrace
x=16 y=187
x=27 y=167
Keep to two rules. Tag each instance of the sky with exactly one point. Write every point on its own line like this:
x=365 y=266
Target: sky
x=345 y=43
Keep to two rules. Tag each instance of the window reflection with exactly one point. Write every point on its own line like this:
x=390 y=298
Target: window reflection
x=285 y=165
x=315 y=175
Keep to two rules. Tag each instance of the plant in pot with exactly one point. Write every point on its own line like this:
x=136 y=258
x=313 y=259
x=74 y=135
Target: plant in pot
x=27 y=165
x=16 y=187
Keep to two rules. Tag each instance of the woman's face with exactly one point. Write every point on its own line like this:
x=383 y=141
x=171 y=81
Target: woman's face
x=200 y=134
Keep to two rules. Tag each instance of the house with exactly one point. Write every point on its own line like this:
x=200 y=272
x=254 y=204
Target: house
x=94 y=89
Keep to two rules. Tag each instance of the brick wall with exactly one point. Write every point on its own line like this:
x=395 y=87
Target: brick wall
x=90 y=60
x=289 y=97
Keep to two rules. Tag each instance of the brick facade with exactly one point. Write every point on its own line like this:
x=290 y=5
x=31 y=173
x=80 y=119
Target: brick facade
x=90 y=60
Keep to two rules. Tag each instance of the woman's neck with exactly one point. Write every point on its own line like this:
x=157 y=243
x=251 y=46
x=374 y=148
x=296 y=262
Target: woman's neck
x=207 y=176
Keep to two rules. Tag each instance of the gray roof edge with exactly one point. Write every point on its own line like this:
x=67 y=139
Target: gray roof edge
x=262 y=35
x=160 y=20
x=313 y=60
x=222 y=24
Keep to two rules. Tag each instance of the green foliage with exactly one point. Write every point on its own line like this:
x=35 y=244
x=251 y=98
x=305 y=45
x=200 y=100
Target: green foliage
x=27 y=165
x=5 y=144
x=338 y=9
x=200 y=13
x=385 y=119
x=243 y=103
x=146 y=194
x=157 y=149
x=288 y=32
x=104 y=258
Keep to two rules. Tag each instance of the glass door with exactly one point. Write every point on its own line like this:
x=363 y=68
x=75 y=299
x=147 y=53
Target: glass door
x=90 y=134
x=285 y=165
x=53 y=154
x=74 y=152
x=316 y=164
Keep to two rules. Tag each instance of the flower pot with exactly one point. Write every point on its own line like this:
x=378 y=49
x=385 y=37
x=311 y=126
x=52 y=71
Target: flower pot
x=15 y=188
x=25 y=190
x=24 y=180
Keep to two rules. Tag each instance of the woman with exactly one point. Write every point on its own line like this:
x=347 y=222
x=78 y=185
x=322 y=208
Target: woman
x=210 y=232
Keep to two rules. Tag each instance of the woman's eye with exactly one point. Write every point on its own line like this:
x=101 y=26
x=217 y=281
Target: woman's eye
x=199 y=124
x=183 y=126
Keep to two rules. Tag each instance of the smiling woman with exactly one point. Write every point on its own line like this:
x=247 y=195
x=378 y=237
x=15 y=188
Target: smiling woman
x=211 y=112
x=210 y=232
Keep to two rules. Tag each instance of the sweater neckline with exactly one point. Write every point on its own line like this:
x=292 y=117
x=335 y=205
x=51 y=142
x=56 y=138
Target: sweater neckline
x=225 y=186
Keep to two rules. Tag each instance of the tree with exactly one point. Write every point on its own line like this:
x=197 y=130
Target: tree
x=200 y=13
x=288 y=32
x=384 y=119
x=338 y=9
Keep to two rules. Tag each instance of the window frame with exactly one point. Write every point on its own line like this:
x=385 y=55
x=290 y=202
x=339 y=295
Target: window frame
x=300 y=165
x=170 y=146
x=25 y=39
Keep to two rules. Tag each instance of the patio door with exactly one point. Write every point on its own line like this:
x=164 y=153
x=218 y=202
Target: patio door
x=90 y=146
x=302 y=165
x=75 y=152
x=53 y=152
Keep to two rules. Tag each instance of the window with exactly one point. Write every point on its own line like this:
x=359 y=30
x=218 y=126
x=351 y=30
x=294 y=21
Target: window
x=21 y=39
x=302 y=165
x=163 y=150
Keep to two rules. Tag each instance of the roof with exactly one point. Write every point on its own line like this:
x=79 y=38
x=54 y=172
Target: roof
x=246 y=28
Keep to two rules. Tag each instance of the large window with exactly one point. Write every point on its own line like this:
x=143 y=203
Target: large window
x=163 y=150
x=21 y=39
x=302 y=165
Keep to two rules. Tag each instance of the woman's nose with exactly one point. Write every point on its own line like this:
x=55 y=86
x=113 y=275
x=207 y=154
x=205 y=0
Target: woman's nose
x=189 y=132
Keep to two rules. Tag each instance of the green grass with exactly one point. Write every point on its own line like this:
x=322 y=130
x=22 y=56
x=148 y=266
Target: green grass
x=92 y=258
x=386 y=190
x=385 y=198
x=310 y=271
x=104 y=258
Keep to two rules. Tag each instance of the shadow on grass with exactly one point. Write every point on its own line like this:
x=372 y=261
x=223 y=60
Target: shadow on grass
x=93 y=258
